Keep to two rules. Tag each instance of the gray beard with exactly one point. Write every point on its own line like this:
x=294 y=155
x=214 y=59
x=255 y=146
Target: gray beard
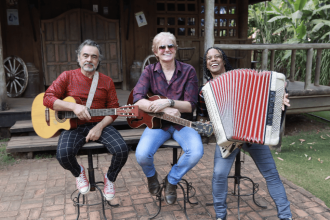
x=87 y=69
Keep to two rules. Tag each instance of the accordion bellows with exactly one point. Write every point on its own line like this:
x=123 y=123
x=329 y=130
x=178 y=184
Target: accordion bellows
x=244 y=105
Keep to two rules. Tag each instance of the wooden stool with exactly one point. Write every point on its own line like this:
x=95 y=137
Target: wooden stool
x=91 y=176
x=173 y=144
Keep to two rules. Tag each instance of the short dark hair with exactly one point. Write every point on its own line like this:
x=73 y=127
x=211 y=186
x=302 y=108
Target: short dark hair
x=89 y=42
x=207 y=73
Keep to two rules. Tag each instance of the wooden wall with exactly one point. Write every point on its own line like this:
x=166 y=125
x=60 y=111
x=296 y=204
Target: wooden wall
x=53 y=8
x=22 y=40
x=135 y=41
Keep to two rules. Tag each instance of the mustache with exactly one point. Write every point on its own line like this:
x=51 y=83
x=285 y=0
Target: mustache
x=88 y=63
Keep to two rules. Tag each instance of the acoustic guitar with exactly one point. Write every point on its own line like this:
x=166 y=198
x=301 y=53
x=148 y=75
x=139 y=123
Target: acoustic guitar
x=152 y=120
x=47 y=123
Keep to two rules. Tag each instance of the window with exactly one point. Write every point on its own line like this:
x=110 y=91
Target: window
x=225 y=18
x=178 y=17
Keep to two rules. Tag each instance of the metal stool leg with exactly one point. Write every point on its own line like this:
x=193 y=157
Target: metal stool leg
x=94 y=185
x=183 y=181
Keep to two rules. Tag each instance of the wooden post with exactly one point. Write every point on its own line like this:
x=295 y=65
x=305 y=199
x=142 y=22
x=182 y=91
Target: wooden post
x=272 y=57
x=293 y=65
x=264 y=59
x=318 y=67
x=3 y=90
x=309 y=68
x=209 y=26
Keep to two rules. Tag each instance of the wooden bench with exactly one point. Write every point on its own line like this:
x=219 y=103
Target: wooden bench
x=25 y=126
x=30 y=144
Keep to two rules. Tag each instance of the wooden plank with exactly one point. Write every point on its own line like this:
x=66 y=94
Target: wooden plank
x=308 y=77
x=36 y=143
x=273 y=46
x=22 y=126
x=293 y=65
x=318 y=67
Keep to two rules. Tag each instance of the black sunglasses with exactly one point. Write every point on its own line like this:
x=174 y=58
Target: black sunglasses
x=163 y=47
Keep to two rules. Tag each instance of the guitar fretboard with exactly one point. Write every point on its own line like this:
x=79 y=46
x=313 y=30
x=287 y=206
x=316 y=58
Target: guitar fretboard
x=92 y=112
x=171 y=118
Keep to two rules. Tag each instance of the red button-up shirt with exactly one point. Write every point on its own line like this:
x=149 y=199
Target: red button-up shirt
x=74 y=83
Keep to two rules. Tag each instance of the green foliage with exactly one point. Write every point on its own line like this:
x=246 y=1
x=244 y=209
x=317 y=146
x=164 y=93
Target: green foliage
x=305 y=160
x=291 y=22
x=5 y=159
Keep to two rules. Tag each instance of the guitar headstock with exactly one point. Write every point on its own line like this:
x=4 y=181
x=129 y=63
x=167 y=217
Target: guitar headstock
x=128 y=111
x=204 y=128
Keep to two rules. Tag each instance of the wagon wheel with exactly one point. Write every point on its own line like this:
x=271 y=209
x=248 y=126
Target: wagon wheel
x=16 y=76
x=147 y=61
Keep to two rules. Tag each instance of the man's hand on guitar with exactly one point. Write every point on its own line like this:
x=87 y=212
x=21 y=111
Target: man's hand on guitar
x=158 y=105
x=82 y=112
x=172 y=111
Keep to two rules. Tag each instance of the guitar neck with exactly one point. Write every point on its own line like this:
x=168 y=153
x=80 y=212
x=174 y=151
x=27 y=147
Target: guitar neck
x=92 y=112
x=172 y=118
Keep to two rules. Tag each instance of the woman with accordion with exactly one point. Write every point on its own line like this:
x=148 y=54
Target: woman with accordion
x=215 y=63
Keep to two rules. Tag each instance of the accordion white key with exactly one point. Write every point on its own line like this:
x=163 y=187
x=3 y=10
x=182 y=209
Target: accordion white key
x=244 y=106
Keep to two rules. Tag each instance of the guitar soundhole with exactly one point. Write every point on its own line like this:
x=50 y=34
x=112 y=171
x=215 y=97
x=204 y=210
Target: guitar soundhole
x=61 y=115
x=136 y=120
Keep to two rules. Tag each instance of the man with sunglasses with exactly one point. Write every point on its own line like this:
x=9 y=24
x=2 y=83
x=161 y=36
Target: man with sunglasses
x=178 y=82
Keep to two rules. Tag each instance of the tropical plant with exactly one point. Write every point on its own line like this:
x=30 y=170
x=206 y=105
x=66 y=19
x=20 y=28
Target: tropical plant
x=289 y=21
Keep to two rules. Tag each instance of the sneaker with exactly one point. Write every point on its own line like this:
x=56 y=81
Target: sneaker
x=222 y=218
x=109 y=189
x=82 y=182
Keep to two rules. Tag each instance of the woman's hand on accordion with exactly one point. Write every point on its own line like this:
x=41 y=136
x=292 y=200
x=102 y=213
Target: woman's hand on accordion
x=286 y=101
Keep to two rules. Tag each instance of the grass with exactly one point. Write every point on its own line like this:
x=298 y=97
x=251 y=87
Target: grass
x=5 y=159
x=44 y=155
x=325 y=114
x=306 y=162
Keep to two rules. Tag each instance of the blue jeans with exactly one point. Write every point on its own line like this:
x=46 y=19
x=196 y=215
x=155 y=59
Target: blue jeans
x=264 y=160
x=151 y=139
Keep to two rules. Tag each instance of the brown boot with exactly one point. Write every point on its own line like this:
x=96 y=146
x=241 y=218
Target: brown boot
x=170 y=192
x=153 y=184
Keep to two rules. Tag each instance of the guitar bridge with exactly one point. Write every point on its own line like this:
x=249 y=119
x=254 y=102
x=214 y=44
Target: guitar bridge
x=47 y=118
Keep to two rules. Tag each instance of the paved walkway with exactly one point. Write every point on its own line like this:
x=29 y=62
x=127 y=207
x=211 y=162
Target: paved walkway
x=41 y=189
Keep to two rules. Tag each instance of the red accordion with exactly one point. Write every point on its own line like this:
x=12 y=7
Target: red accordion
x=244 y=105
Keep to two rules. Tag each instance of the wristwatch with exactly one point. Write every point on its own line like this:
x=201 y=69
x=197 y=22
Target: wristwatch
x=171 y=101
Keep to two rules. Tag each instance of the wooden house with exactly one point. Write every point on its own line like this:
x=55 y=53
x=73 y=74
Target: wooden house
x=48 y=32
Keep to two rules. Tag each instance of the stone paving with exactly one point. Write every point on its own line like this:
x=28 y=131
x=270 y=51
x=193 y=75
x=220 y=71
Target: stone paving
x=41 y=189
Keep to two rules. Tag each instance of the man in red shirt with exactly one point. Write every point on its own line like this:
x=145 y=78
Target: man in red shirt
x=77 y=83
